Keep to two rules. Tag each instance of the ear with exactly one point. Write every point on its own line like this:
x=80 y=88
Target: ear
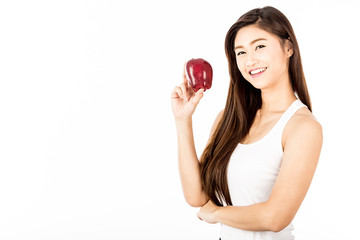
x=289 y=49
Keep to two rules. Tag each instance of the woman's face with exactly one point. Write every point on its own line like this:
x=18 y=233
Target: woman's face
x=261 y=58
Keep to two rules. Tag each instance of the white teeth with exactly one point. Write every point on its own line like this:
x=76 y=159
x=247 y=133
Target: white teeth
x=257 y=71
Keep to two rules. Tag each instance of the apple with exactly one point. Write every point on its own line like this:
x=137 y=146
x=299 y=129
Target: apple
x=199 y=74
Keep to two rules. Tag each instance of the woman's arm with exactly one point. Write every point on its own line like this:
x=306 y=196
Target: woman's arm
x=189 y=166
x=301 y=153
x=184 y=101
x=188 y=163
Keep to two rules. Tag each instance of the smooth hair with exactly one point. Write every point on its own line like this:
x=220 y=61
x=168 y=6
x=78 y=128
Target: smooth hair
x=244 y=100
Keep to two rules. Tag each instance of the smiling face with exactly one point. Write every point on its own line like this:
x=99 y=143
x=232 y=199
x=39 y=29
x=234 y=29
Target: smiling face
x=262 y=57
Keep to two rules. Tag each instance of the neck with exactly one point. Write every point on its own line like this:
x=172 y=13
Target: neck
x=278 y=97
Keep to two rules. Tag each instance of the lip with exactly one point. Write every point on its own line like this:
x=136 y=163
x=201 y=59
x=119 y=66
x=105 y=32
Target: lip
x=257 y=74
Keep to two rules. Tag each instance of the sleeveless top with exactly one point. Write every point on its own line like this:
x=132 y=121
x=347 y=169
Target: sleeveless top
x=251 y=174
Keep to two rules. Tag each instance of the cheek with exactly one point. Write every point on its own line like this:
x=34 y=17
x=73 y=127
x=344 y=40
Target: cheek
x=241 y=66
x=280 y=64
x=277 y=59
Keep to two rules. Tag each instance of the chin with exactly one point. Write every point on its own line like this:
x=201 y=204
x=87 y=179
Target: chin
x=259 y=85
x=262 y=83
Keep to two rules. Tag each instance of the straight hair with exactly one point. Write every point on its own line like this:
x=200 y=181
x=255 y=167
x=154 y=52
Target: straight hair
x=243 y=101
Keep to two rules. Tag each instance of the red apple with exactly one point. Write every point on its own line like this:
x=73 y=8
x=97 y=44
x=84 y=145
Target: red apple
x=199 y=74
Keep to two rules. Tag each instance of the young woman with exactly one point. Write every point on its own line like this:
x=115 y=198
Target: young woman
x=264 y=146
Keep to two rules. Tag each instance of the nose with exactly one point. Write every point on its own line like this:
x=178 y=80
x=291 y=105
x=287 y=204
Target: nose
x=250 y=61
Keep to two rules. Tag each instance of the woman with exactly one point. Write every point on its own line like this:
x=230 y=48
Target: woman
x=264 y=146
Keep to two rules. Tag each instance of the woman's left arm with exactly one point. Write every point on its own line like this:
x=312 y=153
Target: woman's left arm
x=301 y=154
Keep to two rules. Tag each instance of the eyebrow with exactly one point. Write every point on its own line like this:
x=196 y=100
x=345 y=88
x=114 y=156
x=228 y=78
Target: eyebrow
x=251 y=43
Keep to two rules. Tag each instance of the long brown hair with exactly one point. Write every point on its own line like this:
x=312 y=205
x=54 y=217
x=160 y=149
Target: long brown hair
x=243 y=101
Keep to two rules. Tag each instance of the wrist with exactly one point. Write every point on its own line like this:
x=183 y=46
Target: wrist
x=183 y=121
x=217 y=214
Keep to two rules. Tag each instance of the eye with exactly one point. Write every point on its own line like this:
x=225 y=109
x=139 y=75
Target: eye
x=240 y=53
x=260 y=46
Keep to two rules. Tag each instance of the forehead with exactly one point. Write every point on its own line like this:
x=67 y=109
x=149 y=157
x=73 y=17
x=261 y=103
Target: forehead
x=247 y=34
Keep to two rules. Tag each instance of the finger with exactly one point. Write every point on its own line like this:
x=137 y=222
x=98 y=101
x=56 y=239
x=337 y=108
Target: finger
x=186 y=94
x=198 y=215
x=177 y=92
x=189 y=89
x=185 y=80
x=198 y=95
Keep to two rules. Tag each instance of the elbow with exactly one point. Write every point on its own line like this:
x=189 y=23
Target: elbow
x=277 y=227
x=277 y=221
x=195 y=202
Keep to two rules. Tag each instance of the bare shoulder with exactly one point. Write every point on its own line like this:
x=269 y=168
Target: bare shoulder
x=303 y=124
x=217 y=120
x=219 y=116
x=216 y=123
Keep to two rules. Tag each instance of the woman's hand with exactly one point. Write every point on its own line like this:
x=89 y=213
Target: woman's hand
x=184 y=100
x=207 y=212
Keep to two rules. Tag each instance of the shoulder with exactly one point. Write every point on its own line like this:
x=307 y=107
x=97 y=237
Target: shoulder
x=215 y=124
x=220 y=115
x=303 y=126
x=217 y=120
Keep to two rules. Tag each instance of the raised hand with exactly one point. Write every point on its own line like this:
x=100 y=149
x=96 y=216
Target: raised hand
x=184 y=100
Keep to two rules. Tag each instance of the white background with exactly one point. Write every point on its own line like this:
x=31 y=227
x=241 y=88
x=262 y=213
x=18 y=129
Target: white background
x=87 y=137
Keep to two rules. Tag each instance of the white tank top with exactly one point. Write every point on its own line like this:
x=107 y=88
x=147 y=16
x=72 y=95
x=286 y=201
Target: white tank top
x=251 y=174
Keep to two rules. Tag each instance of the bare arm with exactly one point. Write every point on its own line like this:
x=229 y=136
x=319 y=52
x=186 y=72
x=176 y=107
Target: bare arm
x=301 y=154
x=188 y=163
x=189 y=166
x=184 y=102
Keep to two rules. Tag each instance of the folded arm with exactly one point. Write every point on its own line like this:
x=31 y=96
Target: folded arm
x=301 y=153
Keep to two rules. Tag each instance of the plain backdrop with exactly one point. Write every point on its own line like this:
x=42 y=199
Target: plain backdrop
x=87 y=138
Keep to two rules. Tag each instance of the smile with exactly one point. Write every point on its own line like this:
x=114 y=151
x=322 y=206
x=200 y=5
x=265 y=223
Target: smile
x=257 y=72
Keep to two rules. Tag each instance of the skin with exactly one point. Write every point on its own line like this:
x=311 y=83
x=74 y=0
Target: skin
x=184 y=101
x=301 y=139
